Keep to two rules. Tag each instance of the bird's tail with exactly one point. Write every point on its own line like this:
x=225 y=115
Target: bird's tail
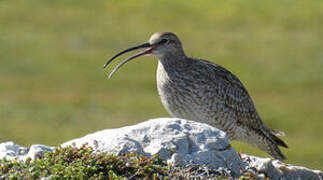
x=264 y=139
x=278 y=141
x=273 y=143
x=277 y=133
x=267 y=141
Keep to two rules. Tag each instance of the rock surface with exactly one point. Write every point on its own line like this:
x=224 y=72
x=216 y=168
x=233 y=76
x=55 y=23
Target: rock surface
x=178 y=141
x=275 y=169
x=10 y=150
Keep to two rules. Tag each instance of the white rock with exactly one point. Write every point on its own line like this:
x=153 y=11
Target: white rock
x=191 y=141
x=275 y=169
x=36 y=151
x=176 y=160
x=10 y=150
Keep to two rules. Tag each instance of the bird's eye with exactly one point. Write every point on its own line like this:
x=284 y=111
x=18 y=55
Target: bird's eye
x=163 y=41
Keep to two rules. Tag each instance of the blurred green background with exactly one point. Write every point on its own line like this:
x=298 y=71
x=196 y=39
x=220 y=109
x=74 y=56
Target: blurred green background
x=53 y=87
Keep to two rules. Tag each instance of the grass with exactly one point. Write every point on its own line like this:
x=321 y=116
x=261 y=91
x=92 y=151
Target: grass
x=53 y=87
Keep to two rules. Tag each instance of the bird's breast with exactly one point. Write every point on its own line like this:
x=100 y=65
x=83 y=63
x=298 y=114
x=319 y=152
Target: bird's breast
x=185 y=95
x=177 y=93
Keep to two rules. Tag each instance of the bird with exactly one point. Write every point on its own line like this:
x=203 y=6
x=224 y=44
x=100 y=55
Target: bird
x=202 y=91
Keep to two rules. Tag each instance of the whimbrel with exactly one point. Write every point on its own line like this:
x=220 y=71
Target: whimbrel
x=199 y=90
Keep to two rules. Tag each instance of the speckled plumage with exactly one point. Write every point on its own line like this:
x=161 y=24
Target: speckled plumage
x=199 y=90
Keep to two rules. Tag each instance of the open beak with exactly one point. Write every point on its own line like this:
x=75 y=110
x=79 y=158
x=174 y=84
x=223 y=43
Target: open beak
x=144 y=52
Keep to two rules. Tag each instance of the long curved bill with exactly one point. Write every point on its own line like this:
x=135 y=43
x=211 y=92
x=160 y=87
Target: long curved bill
x=146 y=51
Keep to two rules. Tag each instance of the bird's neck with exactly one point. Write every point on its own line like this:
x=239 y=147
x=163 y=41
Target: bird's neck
x=172 y=61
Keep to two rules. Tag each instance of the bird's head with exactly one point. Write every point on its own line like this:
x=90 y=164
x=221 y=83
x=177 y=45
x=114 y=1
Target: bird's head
x=160 y=44
x=165 y=43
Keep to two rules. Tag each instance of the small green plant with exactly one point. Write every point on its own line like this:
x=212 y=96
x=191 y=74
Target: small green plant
x=85 y=163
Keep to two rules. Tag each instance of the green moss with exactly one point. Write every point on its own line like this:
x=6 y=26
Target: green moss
x=85 y=163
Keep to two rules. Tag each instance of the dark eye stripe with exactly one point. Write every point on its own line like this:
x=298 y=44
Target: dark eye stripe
x=163 y=41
